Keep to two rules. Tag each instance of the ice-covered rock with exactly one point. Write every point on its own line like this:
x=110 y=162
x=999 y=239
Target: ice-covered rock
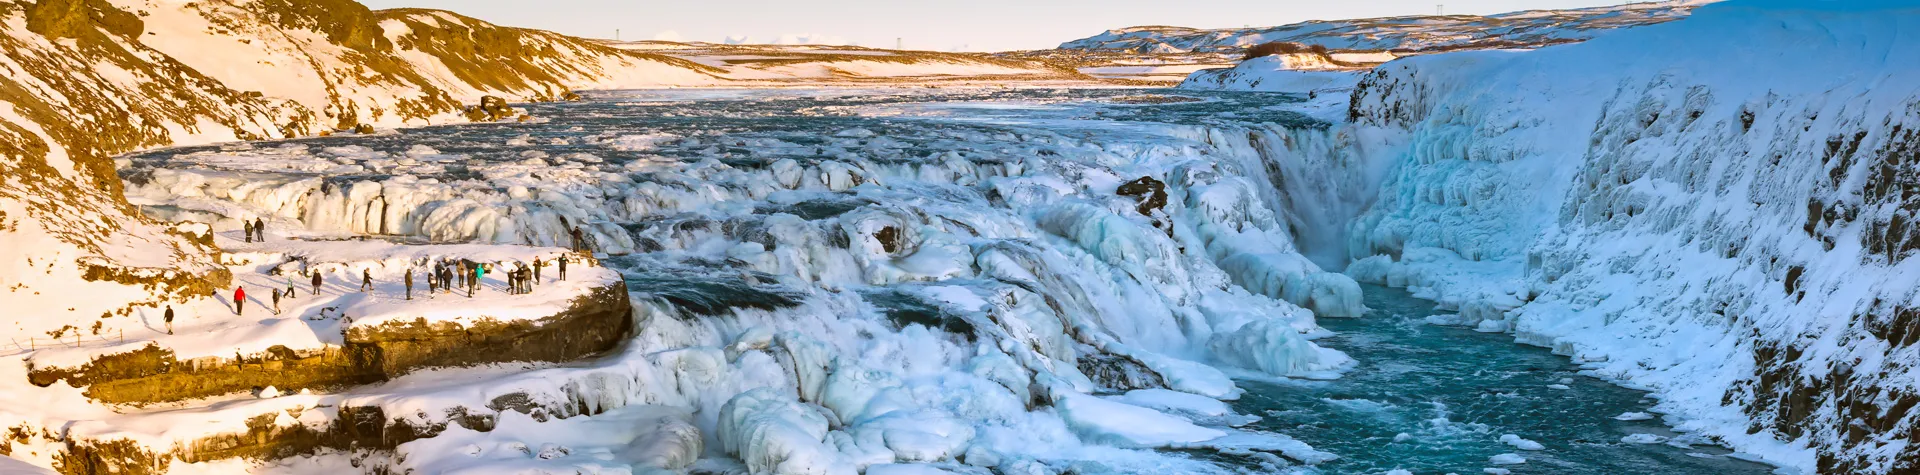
x=1124 y=425
x=775 y=434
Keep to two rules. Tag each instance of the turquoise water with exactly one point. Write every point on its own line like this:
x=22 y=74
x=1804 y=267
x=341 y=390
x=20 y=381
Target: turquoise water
x=1453 y=392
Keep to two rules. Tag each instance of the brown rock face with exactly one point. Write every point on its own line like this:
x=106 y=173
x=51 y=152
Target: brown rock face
x=594 y=323
x=1151 y=193
x=71 y=18
x=890 y=239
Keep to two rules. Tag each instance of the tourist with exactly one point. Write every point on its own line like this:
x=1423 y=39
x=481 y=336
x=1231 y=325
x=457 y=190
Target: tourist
x=537 y=265
x=409 y=283
x=366 y=279
x=239 y=300
x=169 y=319
x=316 y=282
x=290 y=286
x=260 y=229
x=246 y=231
x=276 y=301
x=563 y=267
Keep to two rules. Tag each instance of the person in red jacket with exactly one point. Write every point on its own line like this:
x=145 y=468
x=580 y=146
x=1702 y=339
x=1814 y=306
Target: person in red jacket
x=239 y=300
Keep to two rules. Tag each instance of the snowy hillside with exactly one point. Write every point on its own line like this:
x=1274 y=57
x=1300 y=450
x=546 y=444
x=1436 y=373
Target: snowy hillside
x=1715 y=209
x=1411 y=33
x=817 y=65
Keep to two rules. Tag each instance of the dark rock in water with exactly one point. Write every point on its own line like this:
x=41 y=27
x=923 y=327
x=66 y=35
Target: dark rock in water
x=1119 y=373
x=491 y=108
x=890 y=239
x=816 y=209
x=906 y=308
x=1151 y=193
x=571 y=96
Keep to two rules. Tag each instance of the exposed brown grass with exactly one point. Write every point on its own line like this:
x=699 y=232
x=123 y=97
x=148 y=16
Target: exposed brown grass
x=1282 y=47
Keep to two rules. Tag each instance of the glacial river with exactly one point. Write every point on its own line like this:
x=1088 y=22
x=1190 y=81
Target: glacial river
x=679 y=182
x=1436 y=399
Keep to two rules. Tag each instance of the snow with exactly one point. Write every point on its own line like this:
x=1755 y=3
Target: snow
x=1459 y=179
x=1372 y=35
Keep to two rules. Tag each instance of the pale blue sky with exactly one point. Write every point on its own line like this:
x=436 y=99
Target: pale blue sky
x=972 y=25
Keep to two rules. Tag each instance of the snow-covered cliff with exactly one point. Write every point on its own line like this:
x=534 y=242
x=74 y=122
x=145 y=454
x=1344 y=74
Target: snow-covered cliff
x=1718 y=209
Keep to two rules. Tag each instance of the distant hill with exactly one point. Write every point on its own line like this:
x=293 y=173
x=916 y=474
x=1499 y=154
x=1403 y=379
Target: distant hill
x=1400 y=34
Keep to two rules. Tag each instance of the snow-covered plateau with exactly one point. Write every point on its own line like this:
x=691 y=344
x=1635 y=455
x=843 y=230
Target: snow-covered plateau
x=1422 y=33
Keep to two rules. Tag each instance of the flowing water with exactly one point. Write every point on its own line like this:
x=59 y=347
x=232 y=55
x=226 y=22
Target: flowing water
x=1424 y=398
x=1437 y=399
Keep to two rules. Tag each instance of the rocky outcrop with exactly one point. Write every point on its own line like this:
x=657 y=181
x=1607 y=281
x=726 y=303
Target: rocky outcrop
x=491 y=108
x=592 y=324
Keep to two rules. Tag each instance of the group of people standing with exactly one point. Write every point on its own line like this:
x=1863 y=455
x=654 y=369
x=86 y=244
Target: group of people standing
x=442 y=276
x=448 y=275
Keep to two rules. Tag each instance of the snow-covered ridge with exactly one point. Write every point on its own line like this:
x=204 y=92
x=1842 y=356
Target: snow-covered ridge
x=1711 y=209
x=1411 y=33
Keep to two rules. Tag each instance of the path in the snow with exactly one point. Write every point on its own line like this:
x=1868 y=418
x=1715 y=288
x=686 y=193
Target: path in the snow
x=1438 y=399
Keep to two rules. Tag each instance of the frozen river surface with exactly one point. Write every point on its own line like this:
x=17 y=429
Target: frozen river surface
x=1021 y=281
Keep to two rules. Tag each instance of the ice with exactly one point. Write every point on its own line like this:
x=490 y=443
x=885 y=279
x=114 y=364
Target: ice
x=775 y=434
x=1125 y=425
x=1520 y=443
x=1276 y=349
x=1643 y=439
x=1507 y=459
x=1175 y=401
x=905 y=469
x=1633 y=416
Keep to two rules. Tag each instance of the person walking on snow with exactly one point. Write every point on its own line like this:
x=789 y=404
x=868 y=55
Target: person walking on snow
x=366 y=279
x=563 y=267
x=276 y=301
x=409 y=283
x=537 y=265
x=260 y=229
x=316 y=283
x=290 y=286
x=168 y=317
x=239 y=300
x=246 y=230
